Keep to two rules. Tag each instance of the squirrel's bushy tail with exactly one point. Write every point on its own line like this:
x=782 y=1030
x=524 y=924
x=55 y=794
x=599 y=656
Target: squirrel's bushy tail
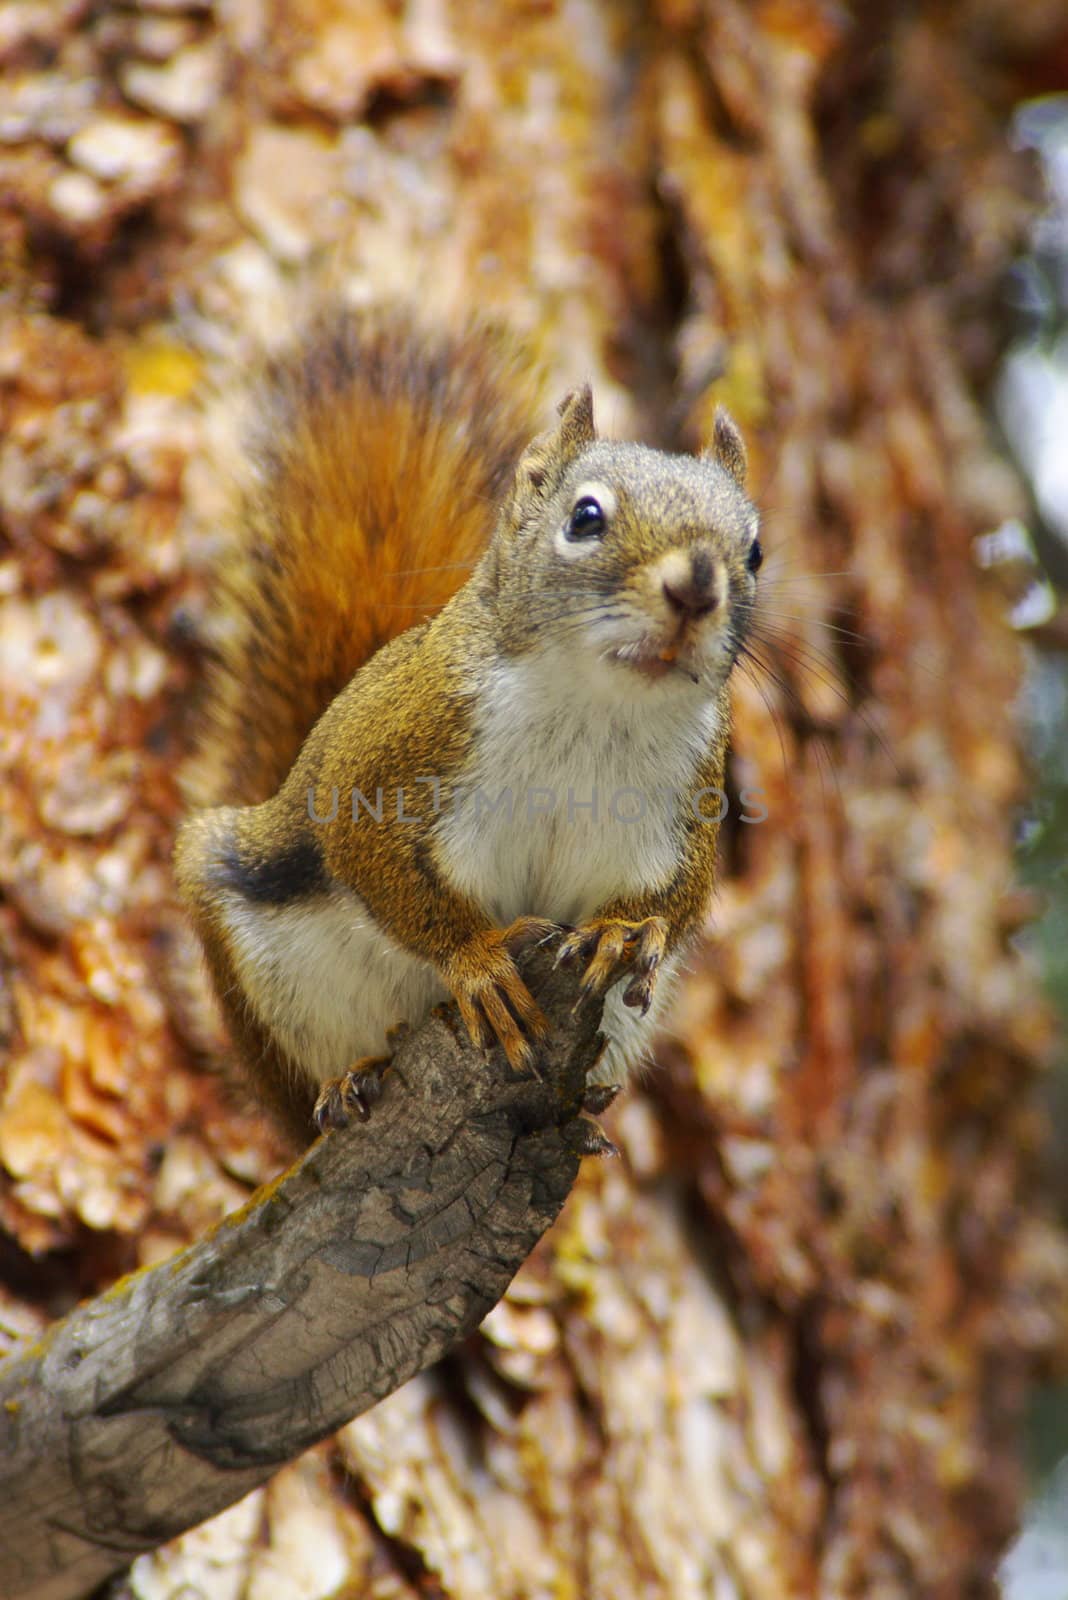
x=376 y=456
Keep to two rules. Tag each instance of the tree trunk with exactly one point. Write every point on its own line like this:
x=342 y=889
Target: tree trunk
x=783 y=1347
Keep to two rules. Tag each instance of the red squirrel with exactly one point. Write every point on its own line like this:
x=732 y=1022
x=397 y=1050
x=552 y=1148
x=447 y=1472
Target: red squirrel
x=388 y=817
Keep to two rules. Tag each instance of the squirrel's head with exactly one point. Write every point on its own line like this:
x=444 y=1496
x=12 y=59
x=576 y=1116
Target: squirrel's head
x=633 y=561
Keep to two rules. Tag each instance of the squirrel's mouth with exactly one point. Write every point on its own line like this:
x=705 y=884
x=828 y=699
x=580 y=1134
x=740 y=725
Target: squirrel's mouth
x=656 y=662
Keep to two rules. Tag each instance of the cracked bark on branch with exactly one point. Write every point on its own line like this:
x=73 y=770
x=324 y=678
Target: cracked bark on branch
x=170 y=1397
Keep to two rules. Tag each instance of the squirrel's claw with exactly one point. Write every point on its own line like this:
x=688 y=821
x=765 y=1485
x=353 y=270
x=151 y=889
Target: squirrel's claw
x=585 y=1138
x=598 y=1097
x=639 y=992
x=494 y=1002
x=353 y=1094
x=610 y=946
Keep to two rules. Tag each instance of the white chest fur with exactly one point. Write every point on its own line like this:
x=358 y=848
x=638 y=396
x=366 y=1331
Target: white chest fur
x=570 y=795
x=592 y=784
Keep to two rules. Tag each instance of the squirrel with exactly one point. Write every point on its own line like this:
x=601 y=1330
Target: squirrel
x=388 y=814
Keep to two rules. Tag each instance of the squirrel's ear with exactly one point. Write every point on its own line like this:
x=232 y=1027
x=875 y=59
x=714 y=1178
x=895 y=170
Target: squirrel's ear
x=576 y=428
x=728 y=447
x=548 y=456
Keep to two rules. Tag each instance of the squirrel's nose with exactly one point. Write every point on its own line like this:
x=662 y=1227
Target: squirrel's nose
x=691 y=590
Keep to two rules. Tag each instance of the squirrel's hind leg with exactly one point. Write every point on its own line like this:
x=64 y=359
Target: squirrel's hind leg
x=356 y=1091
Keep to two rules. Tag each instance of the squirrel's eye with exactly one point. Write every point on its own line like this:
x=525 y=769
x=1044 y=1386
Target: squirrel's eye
x=756 y=556
x=587 y=520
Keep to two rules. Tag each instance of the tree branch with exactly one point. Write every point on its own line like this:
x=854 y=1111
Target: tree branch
x=186 y=1385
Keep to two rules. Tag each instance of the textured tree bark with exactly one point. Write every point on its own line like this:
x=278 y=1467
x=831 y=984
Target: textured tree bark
x=784 y=1346
x=167 y=1399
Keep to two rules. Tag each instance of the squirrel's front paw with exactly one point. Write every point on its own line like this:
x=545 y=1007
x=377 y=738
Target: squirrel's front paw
x=494 y=1001
x=610 y=946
